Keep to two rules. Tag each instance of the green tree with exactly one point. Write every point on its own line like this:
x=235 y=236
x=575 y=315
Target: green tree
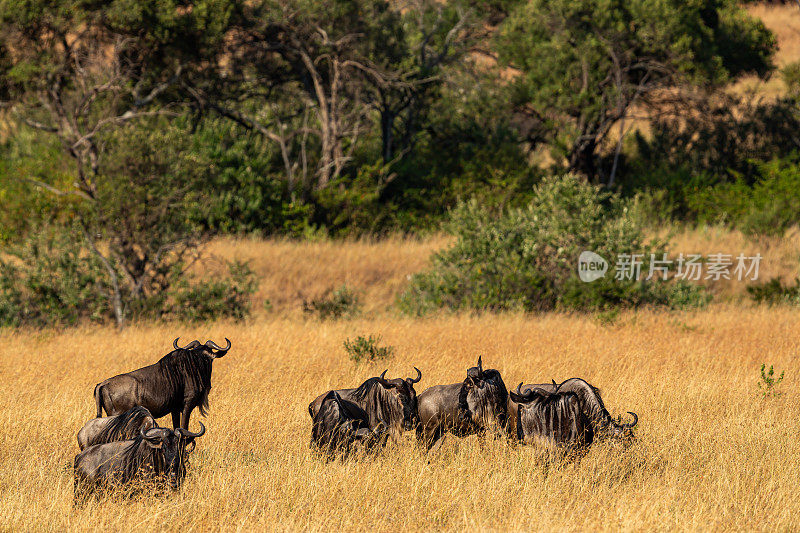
x=584 y=65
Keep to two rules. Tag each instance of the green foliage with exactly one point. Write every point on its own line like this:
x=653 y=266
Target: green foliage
x=774 y=292
x=769 y=382
x=526 y=258
x=583 y=63
x=225 y=297
x=51 y=280
x=338 y=303
x=367 y=349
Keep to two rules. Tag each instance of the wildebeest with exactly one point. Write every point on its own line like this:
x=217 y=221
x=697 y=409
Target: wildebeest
x=342 y=427
x=391 y=402
x=472 y=406
x=176 y=384
x=158 y=454
x=552 y=419
x=114 y=428
x=603 y=425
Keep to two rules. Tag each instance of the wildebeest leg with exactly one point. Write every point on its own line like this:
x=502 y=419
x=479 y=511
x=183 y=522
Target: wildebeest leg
x=187 y=412
x=176 y=419
x=437 y=444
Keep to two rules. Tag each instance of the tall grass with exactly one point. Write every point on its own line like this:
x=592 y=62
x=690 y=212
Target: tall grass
x=712 y=453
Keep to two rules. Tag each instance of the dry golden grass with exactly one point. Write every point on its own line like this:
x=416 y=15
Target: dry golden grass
x=291 y=271
x=711 y=453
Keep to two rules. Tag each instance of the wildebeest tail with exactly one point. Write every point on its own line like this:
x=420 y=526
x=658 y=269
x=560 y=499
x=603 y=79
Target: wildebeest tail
x=98 y=399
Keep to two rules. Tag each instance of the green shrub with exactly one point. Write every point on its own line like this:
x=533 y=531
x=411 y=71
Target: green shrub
x=774 y=292
x=367 y=349
x=52 y=279
x=49 y=279
x=769 y=382
x=335 y=304
x=527 y=259
x=228 y=297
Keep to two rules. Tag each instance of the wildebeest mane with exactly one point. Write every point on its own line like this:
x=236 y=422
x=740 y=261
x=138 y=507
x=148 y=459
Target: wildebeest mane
x=188 y=367
x=378 y=404
x=493 y=385
x=138 y=457
x=123 y=427
x=556 y=415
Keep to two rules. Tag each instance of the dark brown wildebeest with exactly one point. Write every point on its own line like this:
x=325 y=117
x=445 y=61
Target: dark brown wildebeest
x=554 y=420
x=477 y=404
x=158 y=454
x=341 y=427
x=603 y=425
x=114 y=428
x=176 y=384
x=391 y=402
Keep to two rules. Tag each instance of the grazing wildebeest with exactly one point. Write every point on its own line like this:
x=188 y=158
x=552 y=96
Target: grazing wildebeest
x=114 y=428
x=473 y=406
x=603 y=425
x=552 y=419
x=176 y=384
x=342 y=427
x=158 y=454
x=391 y=402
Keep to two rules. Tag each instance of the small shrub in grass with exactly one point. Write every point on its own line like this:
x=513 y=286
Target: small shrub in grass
x=769 y=381
x=367 y=349
x=336 y=304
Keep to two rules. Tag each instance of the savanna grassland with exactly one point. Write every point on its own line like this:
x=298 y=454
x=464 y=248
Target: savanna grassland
x=712 y=453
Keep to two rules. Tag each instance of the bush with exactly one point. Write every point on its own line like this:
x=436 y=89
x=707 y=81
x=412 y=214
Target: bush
x=209 y=299
x=53 y=279
x=527 y=259
x=774 y=292
x=50 y=279
x=367 y=349
x=333 y=305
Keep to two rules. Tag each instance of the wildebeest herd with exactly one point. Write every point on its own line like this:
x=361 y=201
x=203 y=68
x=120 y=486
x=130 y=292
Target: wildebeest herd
x=127 y=445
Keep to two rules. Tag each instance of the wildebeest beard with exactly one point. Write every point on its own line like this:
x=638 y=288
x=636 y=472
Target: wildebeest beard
x=124 y=427
x=491 y=400
x=142 y=459
x=188 y=367
x=379 y=404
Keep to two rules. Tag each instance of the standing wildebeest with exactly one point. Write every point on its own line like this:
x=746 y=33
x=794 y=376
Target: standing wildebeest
x=114 y=428
x=391 y=402
x=176 y=384
x=473 y=406
x=603 y=425
x=341 y=427
x=157 y=454
x=553 y=419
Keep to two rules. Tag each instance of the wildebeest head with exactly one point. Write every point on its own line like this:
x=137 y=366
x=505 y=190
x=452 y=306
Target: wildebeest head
x=342 y=428
x=391 y=401
x=168 y=449
x=483 y=398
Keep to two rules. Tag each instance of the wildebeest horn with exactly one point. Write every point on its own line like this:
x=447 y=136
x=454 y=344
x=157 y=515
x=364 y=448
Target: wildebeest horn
x=554 y=383
x=480 y=365
x=635 y=420
x=212 y=344
x=383 y=380
x=518 y=392
x=189 y=435
x=419 y=376
x=193 y=344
